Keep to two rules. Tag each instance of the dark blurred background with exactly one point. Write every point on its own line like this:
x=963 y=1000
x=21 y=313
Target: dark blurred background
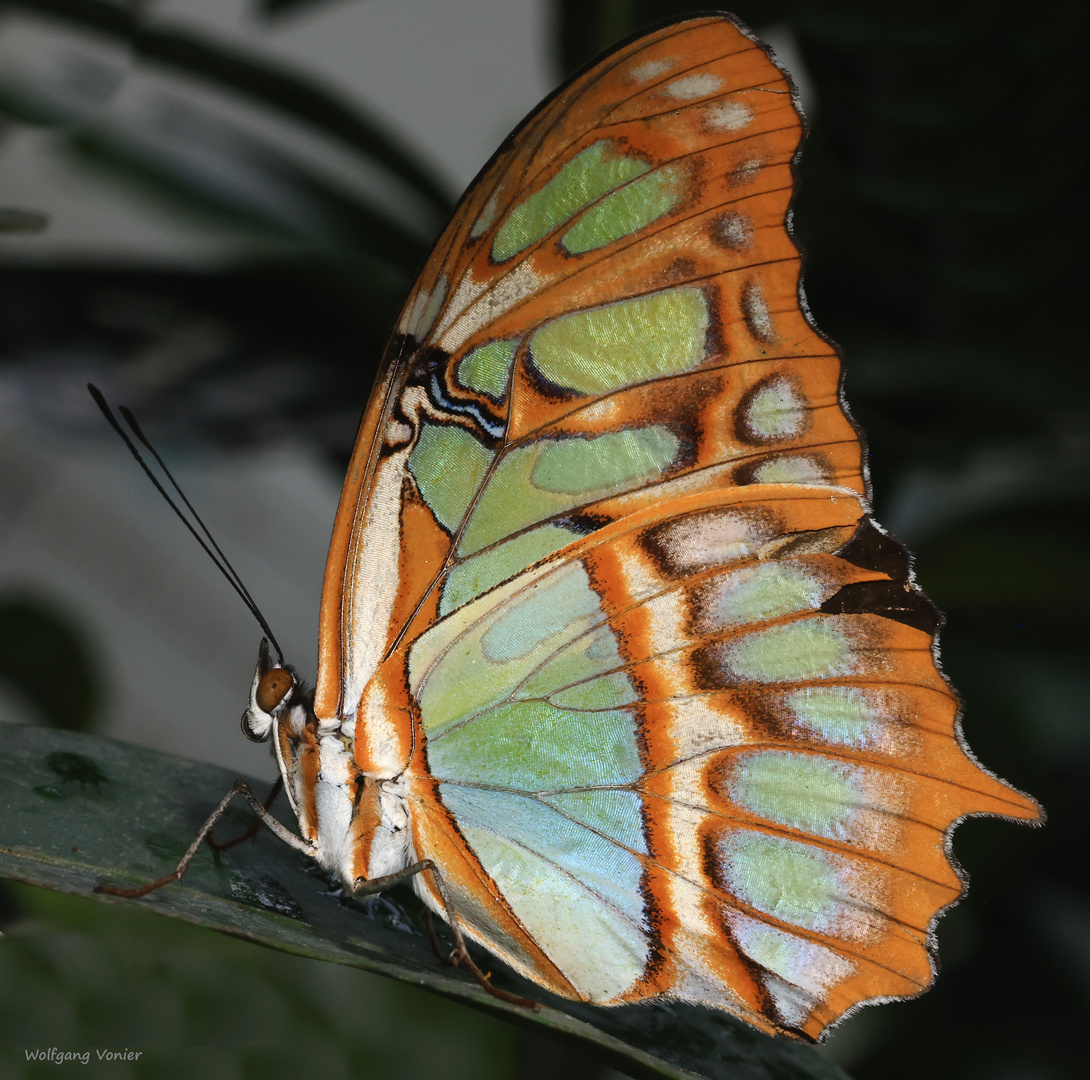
x=239 y=196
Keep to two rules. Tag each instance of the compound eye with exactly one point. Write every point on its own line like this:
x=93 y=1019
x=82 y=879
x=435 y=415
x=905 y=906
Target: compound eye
x=272 y=688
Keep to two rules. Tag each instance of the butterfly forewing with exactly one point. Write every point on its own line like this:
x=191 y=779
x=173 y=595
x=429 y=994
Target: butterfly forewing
x=604 y=595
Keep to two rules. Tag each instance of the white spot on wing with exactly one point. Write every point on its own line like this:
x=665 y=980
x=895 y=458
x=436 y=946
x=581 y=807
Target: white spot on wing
x=812 y=968
x=713 y=538
x=745 y=172
x=652 y=69
x=793 y=1005
x=372 y=579
x=666 y=618
x=382 y=748
x=729 y=115
x=397 y=431
x=691 y=87
x=791 y=469
x=733 y=230
x=699 y=727
x=776 y=410
x=411 y=315
x=756 y=313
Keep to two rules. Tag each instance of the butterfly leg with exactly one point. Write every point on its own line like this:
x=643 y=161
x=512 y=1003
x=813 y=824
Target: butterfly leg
x=251 y=832
x=240 y=787
x=429 y=924
x=460 y=957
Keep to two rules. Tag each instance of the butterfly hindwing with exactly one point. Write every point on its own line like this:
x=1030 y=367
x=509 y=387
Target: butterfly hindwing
x=604 y=597
x=770 y=782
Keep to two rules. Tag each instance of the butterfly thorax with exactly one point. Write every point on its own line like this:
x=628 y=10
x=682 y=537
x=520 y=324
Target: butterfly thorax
x=357 y=823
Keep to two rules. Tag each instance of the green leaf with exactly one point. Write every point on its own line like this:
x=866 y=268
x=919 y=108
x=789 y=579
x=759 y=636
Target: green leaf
x=81 y=810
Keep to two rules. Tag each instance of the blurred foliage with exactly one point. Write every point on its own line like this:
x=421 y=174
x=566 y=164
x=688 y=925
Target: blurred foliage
x=943 y=213
x=233 y=70
x=311 y=248
x=275 y=8
x=21 y=221
x=78 y=974
x=46 y=659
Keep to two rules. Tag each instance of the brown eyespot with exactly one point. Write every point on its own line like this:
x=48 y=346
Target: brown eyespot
x=273 y=688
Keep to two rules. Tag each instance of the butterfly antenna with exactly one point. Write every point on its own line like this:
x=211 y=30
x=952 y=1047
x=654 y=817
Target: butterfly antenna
x=207 y=541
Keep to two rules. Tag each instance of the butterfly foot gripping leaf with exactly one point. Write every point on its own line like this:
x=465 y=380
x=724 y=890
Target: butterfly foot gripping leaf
x=608 y=635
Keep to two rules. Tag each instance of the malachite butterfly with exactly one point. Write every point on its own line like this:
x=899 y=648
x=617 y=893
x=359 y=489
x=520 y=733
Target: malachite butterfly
x=609 y=639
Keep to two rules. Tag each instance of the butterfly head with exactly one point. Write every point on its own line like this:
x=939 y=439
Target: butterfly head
x=282 y=708
x=274 y=694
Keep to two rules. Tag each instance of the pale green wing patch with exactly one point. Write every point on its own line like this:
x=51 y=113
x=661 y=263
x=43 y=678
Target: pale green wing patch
x=613 y=346
x=448 y=464
x=627 y=210
x=602 y=464
x=611 y=691
x=507 y=506
x=484 y=679
x=591 y=655
x=851 y=715
x=488 y=368
x=764 y=591
x=567 y=885
x=791 y=881
x=793 y=652
x=546 y=478
x=543 y=791
x=802 y=791
x=612 y=813
x=592 y=173
x=533 y=746
x=479 y=573
x=476 y=658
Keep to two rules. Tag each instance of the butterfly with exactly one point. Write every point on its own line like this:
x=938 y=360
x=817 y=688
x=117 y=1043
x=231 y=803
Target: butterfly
x=614 y=663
